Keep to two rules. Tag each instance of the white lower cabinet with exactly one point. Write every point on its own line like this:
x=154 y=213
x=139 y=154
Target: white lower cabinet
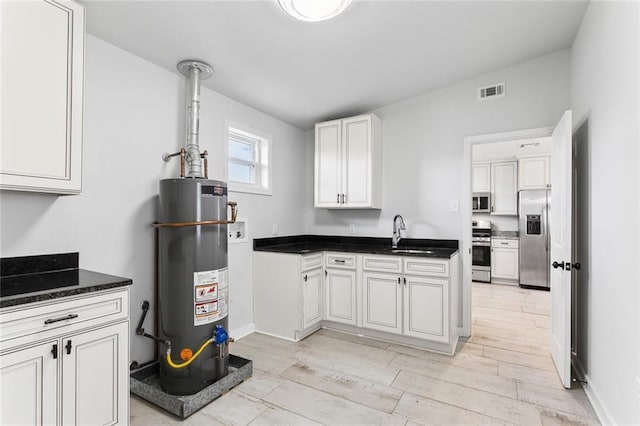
x=413 y=301
x=407 y=300
x=426 y=314
x=340 y=296
x=311 y=297
x=29 y=386
x=94 y=367
x=77 y=372
x=288 y=294
x=382 y=302
x=504 y=260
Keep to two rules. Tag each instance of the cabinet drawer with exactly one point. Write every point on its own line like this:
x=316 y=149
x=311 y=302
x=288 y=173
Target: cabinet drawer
x=382 y=263
x=339 y=260
x=497 y=242
x=430 y=267
x=63 y=316
x=311 y=261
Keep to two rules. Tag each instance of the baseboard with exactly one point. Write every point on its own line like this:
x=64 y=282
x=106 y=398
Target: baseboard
x=604 y=416
x=463 y=332
x=243 y=331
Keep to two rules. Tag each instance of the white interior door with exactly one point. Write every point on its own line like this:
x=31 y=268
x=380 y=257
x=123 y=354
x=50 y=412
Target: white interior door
x=561 y=256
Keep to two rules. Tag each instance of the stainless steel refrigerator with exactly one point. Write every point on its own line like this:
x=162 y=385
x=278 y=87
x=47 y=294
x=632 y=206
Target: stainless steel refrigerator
x=534 y=238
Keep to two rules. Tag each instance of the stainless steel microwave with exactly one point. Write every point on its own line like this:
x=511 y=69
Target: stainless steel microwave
x=481 y=202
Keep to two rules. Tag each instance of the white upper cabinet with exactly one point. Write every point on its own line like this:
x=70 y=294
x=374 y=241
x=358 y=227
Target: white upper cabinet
x=42 y=95
x=481 y=177
x=504 y=188
x=533 y=173
x=348 y=163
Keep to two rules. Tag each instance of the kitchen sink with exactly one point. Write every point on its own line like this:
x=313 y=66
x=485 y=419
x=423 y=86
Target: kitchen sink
x=412 y=251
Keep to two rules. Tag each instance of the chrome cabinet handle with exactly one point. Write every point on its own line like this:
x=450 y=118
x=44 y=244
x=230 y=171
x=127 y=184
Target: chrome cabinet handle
x=68 y=317
x=338 y=198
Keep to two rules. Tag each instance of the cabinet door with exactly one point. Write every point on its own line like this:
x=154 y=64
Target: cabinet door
x=357 y=161
x=42 y=86
x=311 y=298
x=504 y=188
x=504 y=263
x=95 y=376
x=340 y=296
x=382 y=302
x=328 y=164
x=29 y=386
x=533 y=173
x=480 y=177
x=426 y=308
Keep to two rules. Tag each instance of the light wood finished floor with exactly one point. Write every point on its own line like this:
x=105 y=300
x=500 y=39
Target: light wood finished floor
x=503 y=374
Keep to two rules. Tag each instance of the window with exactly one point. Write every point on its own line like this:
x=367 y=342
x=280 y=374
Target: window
x=248 y=161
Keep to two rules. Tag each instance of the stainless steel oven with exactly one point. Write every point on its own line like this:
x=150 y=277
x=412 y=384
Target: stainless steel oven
x=481 y=251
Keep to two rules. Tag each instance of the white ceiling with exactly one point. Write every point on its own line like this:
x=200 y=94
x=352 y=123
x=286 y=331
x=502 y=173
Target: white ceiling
x=375 y=54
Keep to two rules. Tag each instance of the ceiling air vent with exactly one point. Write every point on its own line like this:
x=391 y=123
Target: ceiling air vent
x=490 y=92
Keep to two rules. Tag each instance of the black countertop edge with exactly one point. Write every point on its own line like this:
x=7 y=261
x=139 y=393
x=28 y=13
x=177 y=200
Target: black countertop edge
x=38 y=264
x=83 y=281
x=302 y=244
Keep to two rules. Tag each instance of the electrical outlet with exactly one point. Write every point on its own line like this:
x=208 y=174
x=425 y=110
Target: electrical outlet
x=275 y=229
x=352 y=228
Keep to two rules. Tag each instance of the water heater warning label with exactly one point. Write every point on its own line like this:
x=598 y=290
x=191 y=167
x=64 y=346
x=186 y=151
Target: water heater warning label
x=210 y=295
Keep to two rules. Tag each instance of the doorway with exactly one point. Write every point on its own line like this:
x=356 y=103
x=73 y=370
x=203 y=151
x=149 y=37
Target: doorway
x=560 y=237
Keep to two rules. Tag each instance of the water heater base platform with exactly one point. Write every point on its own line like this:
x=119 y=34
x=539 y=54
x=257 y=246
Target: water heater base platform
x=145 y=383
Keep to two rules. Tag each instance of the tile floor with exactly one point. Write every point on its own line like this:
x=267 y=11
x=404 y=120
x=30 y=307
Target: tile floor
x=503 y=374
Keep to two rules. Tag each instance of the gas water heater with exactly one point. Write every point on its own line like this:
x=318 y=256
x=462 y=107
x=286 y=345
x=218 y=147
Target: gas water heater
x=193 y=292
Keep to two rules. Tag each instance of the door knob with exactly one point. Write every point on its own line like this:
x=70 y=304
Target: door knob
x=557 y=265
x=576 y=266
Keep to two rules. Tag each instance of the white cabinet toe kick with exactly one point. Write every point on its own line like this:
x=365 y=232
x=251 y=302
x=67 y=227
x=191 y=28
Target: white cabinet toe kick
x=409 y=300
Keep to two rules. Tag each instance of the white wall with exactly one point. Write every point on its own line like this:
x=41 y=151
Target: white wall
x=605 y=95
x=134 y=111
x=499 y=223
x=423 y=147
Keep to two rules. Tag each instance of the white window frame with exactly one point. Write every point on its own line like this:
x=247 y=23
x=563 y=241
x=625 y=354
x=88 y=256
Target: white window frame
x=263 y=169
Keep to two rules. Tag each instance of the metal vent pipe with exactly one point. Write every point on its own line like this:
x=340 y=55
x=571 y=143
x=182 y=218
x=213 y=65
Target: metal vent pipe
x=196 y=71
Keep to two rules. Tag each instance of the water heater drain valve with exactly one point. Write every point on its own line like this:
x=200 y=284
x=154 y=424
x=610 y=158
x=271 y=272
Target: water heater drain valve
x=221 y=335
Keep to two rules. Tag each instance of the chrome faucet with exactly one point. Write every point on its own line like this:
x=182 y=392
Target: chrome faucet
x=397 y=236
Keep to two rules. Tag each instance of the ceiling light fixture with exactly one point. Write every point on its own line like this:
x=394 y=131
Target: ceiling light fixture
x=314 y=10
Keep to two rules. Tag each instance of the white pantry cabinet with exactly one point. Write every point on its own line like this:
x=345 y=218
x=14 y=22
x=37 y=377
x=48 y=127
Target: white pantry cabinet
x=288 y=294
x=504 y=259
x=481 y=177
x=534 y=173
x=340 y=288
x=504 y=188
x=42 y=95
x=348 y=163
x=66 y=361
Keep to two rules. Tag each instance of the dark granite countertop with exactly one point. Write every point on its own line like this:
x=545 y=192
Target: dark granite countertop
x=303 y=244
x=30 y=279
